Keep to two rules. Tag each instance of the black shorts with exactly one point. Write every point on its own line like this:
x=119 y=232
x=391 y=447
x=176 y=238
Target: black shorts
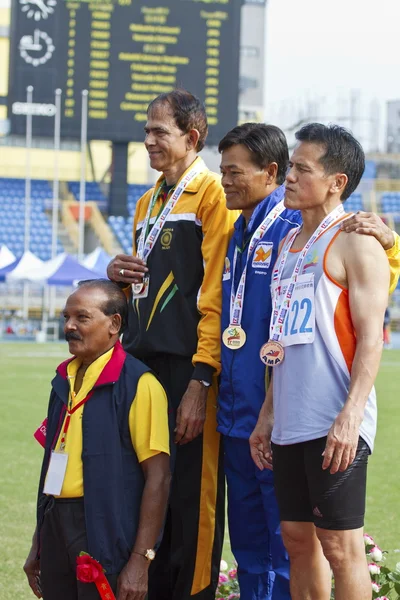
x=305 y=492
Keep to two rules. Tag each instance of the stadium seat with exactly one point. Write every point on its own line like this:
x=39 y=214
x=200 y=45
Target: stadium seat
x=12 y=217
x=390 y=204
x=92 y=193
x=121 y=226
x=354 y=203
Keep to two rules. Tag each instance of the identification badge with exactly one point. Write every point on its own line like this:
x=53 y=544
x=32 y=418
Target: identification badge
x=234 y=337
x=56 y=473
x=299 y=326
x=141 y=290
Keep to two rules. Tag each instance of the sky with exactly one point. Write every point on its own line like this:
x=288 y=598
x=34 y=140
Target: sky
x=336 y=54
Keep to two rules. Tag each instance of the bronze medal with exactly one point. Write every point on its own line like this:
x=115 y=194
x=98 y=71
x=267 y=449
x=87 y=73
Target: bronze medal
x=272 y=353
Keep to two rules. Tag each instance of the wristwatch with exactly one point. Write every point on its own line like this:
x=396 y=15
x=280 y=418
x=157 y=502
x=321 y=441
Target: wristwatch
x=205 y=383
x=148 y=554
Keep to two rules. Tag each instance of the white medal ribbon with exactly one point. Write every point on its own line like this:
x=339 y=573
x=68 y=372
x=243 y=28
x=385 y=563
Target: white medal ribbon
x=237 y=300
x=279 y=315
x=145 y=246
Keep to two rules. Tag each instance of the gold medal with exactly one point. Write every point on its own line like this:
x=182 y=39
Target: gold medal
x=234 y=337
x=272 y=353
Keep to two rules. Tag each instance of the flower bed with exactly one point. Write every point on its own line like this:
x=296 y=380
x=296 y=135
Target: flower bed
x=385 y=582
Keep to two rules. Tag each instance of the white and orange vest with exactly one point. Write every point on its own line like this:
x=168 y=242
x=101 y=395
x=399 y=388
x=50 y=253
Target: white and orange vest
x=312 y=383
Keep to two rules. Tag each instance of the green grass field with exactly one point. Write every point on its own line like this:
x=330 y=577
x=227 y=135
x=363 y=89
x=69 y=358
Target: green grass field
x=26 y=371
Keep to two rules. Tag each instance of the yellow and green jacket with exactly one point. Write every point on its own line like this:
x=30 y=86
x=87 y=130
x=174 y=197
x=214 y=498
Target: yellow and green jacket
x=181 y=315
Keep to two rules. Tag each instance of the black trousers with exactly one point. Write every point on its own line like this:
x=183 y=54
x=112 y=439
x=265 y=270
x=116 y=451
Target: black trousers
x=62 y=538
x=188 y=559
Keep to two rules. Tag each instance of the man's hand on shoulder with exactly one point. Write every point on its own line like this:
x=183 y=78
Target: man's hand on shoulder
x=133 y=579
x=368 y=223
x=191 y=413
x=126 y=269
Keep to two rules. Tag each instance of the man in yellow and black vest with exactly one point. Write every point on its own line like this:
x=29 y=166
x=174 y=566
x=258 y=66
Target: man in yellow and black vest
x=180 y=236
x=105 y=475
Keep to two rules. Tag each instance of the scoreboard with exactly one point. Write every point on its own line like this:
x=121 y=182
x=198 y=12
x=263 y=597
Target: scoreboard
x=124 y=52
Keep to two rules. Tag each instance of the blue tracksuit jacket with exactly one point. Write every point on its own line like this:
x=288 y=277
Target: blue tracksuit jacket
x=242 y=385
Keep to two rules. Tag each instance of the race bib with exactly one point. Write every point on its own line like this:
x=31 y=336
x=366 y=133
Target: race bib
x=299 y=327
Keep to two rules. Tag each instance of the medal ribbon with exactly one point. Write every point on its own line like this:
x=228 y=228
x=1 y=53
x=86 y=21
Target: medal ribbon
x=237 y=300
x=70 y=412
x=146 y=244
x=279 y=316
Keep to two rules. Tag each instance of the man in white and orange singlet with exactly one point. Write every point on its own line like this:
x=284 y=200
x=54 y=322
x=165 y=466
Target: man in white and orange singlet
x=318 y=422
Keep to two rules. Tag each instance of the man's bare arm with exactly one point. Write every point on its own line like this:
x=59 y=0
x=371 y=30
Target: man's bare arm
x=133 y=580
x=260 y=439
x=367 y=273
x=32 y=567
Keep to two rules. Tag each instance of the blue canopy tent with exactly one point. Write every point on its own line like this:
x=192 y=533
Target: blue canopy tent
x=97 y=261
x=70 y=271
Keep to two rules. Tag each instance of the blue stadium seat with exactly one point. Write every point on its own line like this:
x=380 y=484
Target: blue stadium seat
x=354 y=203
x=390 y=204
x=12 y=217
x=92 y=192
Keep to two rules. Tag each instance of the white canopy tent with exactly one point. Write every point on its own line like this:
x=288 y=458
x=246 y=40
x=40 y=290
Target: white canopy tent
x=6 y=256
x=28 y=263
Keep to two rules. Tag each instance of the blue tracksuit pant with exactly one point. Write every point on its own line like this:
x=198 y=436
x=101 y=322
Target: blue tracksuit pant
x=254 y=527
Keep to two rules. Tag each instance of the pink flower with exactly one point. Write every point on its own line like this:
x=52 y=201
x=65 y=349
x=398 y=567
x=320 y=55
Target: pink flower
x=368 y=541
x=374 y=569
x=375 y=587
x=382 y=598
x=376 y=554
x=232 y=573
x=232 y=596
x=223 y=578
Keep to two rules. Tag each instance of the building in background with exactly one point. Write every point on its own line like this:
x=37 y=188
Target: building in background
x=252 y=61
x=393 y=127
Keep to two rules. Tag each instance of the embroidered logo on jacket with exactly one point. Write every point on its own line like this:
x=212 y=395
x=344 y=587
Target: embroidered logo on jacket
x=262 y=255
x=166 y=238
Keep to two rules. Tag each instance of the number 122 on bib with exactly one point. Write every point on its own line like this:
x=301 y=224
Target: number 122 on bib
x=299 y=325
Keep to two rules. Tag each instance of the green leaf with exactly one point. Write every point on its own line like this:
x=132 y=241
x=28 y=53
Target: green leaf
x=385 y=589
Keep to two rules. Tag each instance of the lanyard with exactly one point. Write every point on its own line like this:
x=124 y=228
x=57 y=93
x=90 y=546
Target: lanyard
x=147 y=242
x=70 y=412
x=279 y=315
x=237 y=300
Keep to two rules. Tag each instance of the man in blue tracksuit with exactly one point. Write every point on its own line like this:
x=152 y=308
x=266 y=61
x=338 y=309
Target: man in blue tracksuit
x=254 y=159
